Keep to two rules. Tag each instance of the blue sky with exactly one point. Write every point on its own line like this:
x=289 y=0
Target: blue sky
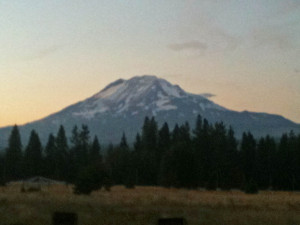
x=57 y=52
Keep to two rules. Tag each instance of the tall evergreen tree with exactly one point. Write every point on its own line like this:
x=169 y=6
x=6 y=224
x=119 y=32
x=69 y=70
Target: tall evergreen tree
x=198 y=147
x=265 y=162
x=185 y=160
x=293 y=163
x=2 y=169
x=74 y=155
x=164 y=145
x=164 y=138
x=248 y=157
x=84 y=140
x=95 y=152
x=178 y=164
x=297 y=162
x=50 y=160
x=207 y=156
x=148 y=173
x=286 y=176
x=218 y=172
x=61 y=155
x=136 y=157
x=235 y=177
x=33 y=156
x=119 y=162
x=13 y=156
x=123 y=143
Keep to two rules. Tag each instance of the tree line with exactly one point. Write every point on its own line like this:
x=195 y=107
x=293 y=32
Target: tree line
x=207 y=156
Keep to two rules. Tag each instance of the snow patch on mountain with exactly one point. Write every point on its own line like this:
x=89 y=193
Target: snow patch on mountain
x=170 y=89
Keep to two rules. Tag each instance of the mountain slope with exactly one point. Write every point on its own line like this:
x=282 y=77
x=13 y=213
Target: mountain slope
x=122 y=106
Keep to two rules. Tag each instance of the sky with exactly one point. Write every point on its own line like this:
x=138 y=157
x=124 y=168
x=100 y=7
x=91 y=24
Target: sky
x=53 y=53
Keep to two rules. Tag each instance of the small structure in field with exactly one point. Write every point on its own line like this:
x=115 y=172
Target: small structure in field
x=35 y=184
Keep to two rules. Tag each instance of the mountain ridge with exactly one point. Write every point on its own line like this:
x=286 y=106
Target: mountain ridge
x=122 y=105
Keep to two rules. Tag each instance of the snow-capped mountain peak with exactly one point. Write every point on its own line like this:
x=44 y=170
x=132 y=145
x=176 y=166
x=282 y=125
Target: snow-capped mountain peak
x=136 y=87
x=141 y=94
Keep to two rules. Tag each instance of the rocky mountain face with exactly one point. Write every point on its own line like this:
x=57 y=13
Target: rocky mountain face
x=122 y=106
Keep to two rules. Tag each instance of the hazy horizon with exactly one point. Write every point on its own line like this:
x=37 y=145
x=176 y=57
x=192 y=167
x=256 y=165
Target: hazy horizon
x=55 y=53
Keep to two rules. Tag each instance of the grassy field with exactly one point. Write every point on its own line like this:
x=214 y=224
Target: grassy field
x=144 y=205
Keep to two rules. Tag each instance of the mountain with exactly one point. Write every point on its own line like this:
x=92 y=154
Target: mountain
x=122 y=106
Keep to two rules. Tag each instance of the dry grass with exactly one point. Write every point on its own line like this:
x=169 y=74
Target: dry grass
x=144 y=205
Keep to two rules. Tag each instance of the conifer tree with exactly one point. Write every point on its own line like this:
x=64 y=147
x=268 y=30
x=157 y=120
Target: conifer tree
x=218 y=169
x=136 y=157
x=118 y=160
x=2 y=169
x=293 y=163
x=248 y=157
x=84 y=140
x=95 y=152
x=164 y=139
x=178 y=164
x=185 y=160
x=74 y=155
x=148 y=173
x=123 y=143
x=13 y=156
x=265 y=162
x=33 y=156
x=50 y=160
x=61 y=155
x=286 y=170
x=207 y=157
x=297 y=162
x=232 y=157
x=198 y=140
x=164 y=144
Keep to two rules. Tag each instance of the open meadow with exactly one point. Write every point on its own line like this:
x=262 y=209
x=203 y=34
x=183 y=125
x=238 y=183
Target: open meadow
x=144 y=205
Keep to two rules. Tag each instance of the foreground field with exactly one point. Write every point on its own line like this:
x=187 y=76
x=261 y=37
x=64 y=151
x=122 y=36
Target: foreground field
x=144 y=205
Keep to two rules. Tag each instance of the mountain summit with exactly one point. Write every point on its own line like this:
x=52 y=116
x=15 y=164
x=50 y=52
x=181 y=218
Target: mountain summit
x=122 y=106
x=142 y=94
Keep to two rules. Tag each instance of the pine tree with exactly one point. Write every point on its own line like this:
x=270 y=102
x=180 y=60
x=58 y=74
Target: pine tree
x=74 y=156
x=2 y=169
x=220 y=164
x=297 y=162
x=95 y=152
x=84 y=140
x=264 y=162
x=119 y=161
x=136 y=157
x=178 y=164
x=232 y=157
x=123 y=143
x=185 y=158
x=248 y=157
x=207 y=156
x=198 y=140
x=164 y=138
x=33 y=156
x=148 y=174
x=50 y=154
x=13 y=156
x=61 y=155
x=198 y=129
x=293 y=162
x=164 y=144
